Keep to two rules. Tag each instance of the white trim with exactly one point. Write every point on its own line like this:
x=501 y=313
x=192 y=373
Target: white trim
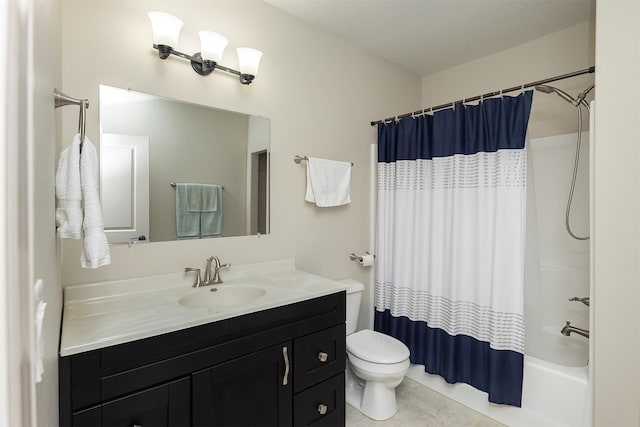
x=4 y=301
x=18 y=407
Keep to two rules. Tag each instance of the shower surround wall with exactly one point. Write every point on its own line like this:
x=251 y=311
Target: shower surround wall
x=557 y=266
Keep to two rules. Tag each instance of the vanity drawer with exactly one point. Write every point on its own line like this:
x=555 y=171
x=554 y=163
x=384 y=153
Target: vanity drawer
x=319 y=356
x=321 y=405
x=164 y=405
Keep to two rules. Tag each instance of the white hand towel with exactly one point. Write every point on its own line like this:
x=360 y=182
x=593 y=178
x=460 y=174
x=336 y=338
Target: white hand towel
x=95 y=251
x=69 y=193
x=328 y=182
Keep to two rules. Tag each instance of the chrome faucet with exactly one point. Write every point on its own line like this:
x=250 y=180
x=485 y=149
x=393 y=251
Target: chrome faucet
x=211 y=274
x=568 y=329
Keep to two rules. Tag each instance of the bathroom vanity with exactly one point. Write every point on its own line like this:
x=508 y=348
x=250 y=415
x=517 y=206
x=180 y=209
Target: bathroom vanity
x=132 y=353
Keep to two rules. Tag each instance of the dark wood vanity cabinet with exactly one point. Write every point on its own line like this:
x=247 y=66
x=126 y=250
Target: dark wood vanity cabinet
x=279 y=367
x=249 y=391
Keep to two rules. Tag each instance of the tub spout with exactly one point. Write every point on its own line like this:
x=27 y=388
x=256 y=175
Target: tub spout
x=568 y=329
x=584 y=300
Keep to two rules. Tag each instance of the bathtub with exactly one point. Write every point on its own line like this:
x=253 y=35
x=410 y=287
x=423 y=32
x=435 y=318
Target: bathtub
x=553 y=395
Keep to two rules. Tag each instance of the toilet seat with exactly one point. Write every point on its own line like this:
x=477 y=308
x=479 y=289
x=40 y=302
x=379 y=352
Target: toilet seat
x=376 y=347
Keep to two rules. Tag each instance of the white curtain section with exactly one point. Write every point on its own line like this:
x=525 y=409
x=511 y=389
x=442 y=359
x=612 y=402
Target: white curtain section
x=451 y=233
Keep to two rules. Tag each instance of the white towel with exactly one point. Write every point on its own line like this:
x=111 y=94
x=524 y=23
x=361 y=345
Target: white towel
x=328 y=182
x=69 y=193
x=95 y=250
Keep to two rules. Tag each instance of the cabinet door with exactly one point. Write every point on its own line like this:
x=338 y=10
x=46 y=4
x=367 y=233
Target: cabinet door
x=253 y=390
x=321 y=405
x=165 y=405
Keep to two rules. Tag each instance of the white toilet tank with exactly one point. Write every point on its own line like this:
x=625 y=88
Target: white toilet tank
x=354 y=298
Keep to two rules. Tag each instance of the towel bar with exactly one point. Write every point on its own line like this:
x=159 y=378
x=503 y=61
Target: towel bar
x=173 y=184
x=297 y=159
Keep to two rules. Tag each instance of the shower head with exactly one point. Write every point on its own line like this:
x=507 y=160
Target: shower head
x=562 y=94
x=544 y=88
x=579 y=100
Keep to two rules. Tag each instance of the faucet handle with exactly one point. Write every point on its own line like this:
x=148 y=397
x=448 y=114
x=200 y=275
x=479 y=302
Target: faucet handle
x=198 y=280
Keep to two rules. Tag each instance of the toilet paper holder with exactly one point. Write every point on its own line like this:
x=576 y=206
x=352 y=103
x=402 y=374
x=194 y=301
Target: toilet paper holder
x=354 y=257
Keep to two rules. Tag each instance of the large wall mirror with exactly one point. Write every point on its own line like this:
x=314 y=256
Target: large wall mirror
x=173 y=170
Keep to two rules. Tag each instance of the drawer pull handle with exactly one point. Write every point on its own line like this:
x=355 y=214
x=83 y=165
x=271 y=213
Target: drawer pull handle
x=322 y=356
x=322 y=409
x=285 y=355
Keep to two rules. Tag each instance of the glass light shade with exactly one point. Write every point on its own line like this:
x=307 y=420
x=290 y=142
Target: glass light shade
x=249 y=60
x=166 y=28
x=212 y=45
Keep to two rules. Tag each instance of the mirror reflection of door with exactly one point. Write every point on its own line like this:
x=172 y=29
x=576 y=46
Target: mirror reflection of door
x=259 y=189
x=124 y=186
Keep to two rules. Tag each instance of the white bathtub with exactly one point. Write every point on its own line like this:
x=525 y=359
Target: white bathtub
x=553 y=395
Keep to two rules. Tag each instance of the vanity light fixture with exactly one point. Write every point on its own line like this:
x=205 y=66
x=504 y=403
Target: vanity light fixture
x=166 y=30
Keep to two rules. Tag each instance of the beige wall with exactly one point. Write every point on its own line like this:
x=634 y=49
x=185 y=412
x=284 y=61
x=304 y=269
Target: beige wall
x=617 y=216
x=555 y=54
x=319 y=92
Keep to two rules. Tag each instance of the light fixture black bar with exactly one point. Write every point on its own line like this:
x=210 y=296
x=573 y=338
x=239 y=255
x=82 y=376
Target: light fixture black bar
x=489 y=95
x=201 y=66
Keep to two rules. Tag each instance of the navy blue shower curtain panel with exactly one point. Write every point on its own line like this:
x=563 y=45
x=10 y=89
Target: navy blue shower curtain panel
x=450 y=242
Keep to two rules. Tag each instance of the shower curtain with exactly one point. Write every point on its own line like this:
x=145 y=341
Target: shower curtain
x=450 y=242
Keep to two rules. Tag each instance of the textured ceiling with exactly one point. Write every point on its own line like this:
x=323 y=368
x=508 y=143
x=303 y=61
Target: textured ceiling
x=424 y=36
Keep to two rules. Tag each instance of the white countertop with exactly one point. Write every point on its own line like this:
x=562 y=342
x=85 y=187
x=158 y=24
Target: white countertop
x=98 y=315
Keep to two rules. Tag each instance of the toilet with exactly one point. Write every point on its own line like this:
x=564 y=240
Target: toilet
x=376 y=363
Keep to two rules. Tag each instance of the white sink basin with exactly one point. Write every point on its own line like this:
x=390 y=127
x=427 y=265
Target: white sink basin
x=211 y=297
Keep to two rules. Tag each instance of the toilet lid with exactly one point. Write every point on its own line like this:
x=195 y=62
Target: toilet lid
x=376 y=347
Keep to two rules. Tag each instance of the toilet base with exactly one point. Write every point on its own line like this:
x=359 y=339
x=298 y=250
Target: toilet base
x=374 y=399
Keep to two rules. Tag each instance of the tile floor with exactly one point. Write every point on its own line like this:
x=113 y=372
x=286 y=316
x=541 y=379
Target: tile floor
x=419 y=406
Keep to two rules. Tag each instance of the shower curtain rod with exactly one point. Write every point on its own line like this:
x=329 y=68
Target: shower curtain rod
x=489 y=95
